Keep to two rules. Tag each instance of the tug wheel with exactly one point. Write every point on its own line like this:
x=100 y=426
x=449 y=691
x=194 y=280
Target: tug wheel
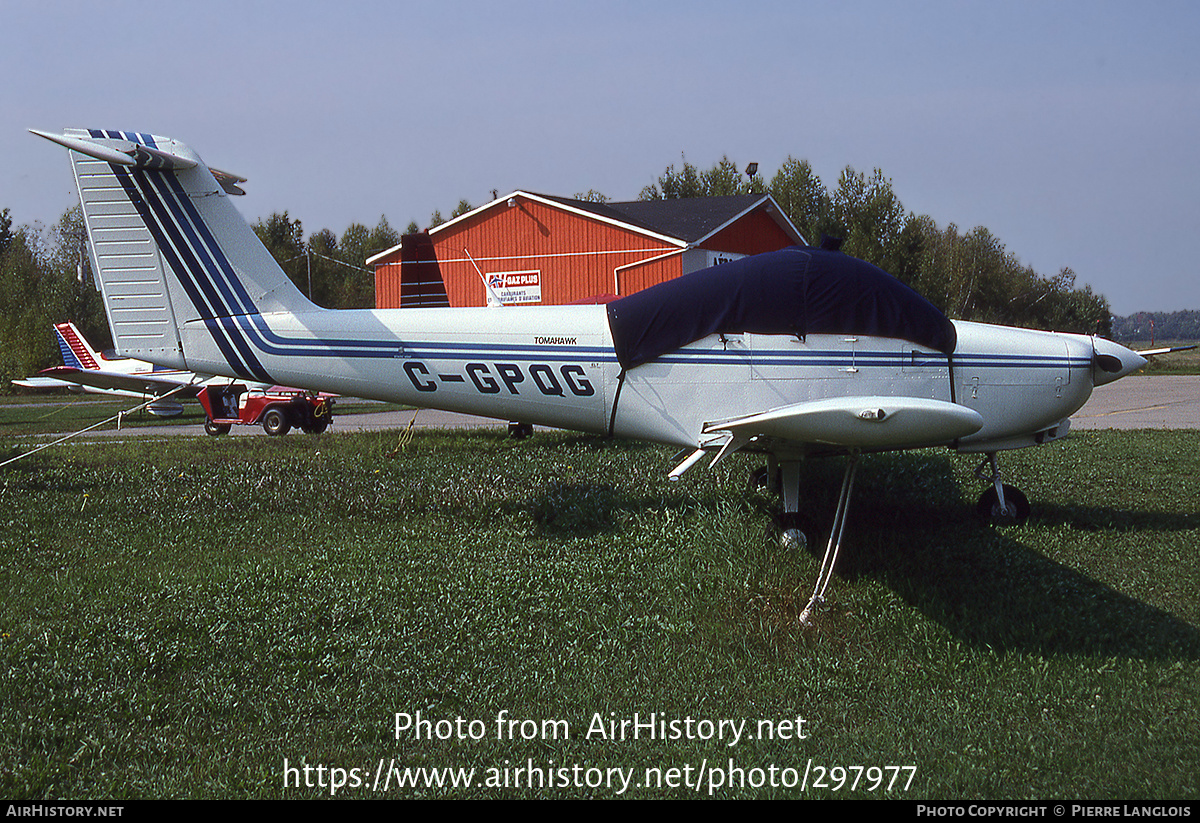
x=275 y=422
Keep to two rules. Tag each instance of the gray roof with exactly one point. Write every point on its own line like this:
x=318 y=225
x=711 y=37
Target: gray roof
x=689 y=219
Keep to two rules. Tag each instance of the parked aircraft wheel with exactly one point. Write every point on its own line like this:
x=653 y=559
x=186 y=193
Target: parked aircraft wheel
x=793 y=540
x=519 y=431
x=791 y=537
x=215 y=429
x=1015 y=513
x=316 y=426
x=275 y=422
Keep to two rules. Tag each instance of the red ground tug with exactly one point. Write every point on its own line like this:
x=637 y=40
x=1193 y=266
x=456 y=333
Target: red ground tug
x=277 y=409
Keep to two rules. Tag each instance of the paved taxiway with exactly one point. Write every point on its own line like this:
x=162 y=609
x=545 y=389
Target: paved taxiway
x=1143 y=402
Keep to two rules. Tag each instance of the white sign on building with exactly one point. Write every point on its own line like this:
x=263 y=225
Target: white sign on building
x=512 y=288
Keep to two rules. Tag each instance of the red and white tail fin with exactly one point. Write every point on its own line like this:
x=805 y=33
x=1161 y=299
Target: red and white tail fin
x=76 y=351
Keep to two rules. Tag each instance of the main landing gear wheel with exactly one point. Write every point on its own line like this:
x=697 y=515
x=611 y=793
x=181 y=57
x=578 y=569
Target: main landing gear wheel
x=1014 y=512
x=791 y=537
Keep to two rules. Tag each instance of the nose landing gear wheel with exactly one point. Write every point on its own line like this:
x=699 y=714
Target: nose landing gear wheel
x=1014 y=512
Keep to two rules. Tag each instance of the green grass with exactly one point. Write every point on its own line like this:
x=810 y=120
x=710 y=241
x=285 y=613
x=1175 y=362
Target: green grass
x=178 y=618
x=60 y=412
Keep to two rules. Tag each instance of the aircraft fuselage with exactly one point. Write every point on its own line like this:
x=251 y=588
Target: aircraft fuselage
x=556 y=366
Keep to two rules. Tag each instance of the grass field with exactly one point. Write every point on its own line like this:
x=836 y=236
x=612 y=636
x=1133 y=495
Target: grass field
x=181 y=619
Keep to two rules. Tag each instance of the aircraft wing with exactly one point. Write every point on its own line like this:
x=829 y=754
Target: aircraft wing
x=1166 y=350
x=854 y=422
x=137 y=384
x=43 y=383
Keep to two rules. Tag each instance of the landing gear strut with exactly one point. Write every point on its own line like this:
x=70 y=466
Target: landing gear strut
x=1000 y=504
x=792 y=538
x=785 y=481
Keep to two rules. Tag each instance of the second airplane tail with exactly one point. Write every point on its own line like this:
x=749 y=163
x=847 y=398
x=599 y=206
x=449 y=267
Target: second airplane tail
x=76 y=351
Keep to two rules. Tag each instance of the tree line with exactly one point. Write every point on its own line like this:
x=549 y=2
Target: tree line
x=332 y=271
x=44 y=279
x=1157 y=326
x=968 y=275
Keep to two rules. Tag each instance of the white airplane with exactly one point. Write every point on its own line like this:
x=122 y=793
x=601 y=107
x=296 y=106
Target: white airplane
x=792 y=354
x=84 y=367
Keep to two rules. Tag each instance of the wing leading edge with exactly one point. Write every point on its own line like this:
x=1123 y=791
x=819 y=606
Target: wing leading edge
x=853 y=423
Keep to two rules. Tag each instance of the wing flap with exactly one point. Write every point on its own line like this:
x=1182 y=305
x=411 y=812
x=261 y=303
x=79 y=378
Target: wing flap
x=858 y=422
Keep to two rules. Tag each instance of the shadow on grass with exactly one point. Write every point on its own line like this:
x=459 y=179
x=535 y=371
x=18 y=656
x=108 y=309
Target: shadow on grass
x=571 y=509
x=1106 y=518
x=990 y=589
x=1010 y=598
x=578 y=509
x=910 y=527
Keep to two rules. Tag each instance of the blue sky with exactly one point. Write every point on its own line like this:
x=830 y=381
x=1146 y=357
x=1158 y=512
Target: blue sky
x=1068 y=129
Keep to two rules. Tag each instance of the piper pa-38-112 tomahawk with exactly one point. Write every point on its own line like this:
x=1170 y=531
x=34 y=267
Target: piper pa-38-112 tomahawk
x=795 y=353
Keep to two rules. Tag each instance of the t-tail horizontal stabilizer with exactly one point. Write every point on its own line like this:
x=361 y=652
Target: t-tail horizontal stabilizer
x=115 y=148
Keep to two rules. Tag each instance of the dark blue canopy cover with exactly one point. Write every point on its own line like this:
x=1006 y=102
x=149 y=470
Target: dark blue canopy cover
x=798 y=290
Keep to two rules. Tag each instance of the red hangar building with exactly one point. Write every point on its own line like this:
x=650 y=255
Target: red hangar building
x=537 y=249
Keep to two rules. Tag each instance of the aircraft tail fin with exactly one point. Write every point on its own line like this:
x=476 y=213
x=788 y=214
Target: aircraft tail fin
x=76 y=351
x=179 y=268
